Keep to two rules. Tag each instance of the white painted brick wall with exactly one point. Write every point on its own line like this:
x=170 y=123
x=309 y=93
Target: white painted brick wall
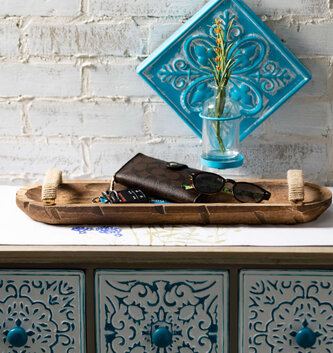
x=112 y=79
x=10 y=117
x=164 y=121
x=318 y=68
x=86 y=119
x=89 y=39
x=9 y=39
x=35 y=156
x=311 y=39
x=154 y=8
x=70 y=97
x=303 y=119
x=273 y=159
x=40 y=7
x=43 y=80
x=159 y=32
x=312 y=8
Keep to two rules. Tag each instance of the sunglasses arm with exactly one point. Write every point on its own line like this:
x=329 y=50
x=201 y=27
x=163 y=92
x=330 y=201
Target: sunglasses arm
x=267 y=195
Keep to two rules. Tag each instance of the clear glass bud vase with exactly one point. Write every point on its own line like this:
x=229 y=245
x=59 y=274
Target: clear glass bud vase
x=220 y=135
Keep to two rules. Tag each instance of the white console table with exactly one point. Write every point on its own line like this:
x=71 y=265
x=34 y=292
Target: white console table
x=177 y=289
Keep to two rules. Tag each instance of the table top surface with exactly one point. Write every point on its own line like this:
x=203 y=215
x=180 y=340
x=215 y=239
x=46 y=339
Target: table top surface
x=19 y=229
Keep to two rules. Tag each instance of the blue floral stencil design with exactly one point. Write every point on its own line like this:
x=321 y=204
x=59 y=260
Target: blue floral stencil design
x=117 y=232
x=281 y=311
x=189 y=309
x=46 y=311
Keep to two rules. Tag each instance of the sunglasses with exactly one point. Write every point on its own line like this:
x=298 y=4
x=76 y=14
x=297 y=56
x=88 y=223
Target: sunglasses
x=210 y=184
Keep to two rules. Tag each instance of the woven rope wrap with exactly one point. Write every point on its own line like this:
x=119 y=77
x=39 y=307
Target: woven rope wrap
x=295 y=185
x=51 y=182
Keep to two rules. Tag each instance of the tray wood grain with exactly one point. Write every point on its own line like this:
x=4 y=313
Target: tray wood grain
x=73 y=206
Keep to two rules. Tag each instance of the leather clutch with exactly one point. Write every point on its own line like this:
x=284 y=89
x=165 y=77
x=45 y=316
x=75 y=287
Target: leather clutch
x=158 y=179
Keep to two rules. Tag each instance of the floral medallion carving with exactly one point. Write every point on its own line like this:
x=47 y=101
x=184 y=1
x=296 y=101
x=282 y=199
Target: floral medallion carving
x=266 y=74
x=286 y=312
x=161 y=312
x=47 y=308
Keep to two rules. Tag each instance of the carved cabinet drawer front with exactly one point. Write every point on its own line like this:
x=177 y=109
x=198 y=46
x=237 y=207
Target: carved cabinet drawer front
x=286 y=311
x=41 y=311
x=161 y=311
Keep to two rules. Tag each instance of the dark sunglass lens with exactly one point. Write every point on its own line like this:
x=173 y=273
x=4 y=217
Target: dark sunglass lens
x=248 y=192
x=208 y=183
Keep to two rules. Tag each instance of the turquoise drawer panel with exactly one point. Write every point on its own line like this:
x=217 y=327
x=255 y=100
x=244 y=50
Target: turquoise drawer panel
x=161 y=311
x=41 y=312
x=286 y=311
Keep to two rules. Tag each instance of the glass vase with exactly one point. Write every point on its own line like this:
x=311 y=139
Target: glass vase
x=220 y=135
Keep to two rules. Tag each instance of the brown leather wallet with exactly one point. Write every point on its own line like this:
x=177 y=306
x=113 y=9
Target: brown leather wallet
x=157 y=179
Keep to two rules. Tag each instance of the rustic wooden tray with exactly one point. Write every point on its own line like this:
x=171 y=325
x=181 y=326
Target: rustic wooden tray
x=74 y=206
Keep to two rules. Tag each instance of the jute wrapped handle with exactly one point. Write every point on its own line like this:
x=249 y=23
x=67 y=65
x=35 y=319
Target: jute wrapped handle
x=52 y=179
x=295 y=185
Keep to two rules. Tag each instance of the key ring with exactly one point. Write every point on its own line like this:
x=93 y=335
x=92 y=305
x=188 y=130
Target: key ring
x=104 y=198
x=96 y=199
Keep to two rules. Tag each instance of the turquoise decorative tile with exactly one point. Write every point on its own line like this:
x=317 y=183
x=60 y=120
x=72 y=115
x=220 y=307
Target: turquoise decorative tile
x=266 y=73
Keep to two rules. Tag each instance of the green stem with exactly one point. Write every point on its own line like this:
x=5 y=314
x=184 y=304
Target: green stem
x=219 y=109
x=220 y=101
x=218 y=125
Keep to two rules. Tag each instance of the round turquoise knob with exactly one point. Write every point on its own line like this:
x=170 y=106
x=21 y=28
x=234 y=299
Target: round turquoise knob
x=305 y=337
x=17 y=337
x=161 y=337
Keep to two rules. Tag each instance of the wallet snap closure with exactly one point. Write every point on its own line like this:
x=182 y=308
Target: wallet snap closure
x=175 y=165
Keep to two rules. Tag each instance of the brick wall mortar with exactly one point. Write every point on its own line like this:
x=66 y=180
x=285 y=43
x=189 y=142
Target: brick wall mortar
x=100 y=69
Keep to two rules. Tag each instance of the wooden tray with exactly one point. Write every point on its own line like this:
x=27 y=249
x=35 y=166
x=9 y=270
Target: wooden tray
x=74 y=206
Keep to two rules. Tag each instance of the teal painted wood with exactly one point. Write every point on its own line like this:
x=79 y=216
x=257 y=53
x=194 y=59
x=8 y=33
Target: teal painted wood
x=265 y=76
x=161 y=311
x=286 y=311
x=42 y=311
